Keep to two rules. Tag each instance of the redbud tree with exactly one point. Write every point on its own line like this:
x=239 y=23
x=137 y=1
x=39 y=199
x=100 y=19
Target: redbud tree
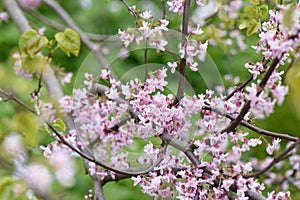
x=169 y=120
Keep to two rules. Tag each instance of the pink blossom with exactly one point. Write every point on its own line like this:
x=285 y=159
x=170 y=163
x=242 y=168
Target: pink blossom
x=4 y=17
x=173 y=66
x=176 y=6
x=32 y=175
x=136 y=180
x=198 y=31
x=199 y=3
x=146 y=14
x=66 y=78
x=275 y=146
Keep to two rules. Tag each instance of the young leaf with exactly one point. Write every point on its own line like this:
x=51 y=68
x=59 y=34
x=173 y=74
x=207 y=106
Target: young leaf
x=31 y=42
x=251 y=12
x=24 y=38
x=36 y=44
x=4 y=183
x=59 y=123
x=68 y=41
x=33 y=64
x=263 y=11
x=253 y=26
x=27 y=125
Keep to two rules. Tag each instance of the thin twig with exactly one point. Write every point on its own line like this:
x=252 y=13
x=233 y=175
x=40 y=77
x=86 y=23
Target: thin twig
x=254 y=128
x=239 y=88
x=164 y=12
x=146 y=59
x=132 y=12
x=81 y=154
x=60 y=27
x=274 y=161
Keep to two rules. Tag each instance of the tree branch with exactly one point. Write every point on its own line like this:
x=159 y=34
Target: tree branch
x=231 y=127
x=182 y=64
x=254 y=128
x=274 y=161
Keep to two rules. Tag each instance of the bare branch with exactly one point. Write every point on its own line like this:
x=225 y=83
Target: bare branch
x=182 y=64
x=132 y=12
x=274 y=161
x=231 y=127
x=254 y=128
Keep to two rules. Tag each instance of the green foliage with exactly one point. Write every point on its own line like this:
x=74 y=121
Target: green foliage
x=32 y=43
x=59 y=124
x=254 y=15
x=6 y=189
x=33 y=64
x=68 y=41
x=253 y=26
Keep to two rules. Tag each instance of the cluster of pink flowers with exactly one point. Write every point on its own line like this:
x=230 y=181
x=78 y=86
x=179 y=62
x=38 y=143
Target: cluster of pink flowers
x=193 y=49
x=177 y=6
x=149 y=30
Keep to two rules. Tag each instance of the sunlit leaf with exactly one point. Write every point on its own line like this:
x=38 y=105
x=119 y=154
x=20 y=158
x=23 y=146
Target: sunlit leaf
x=251 y=12
x=253 y=26
x=27 y=125
x=24 y=39
x=59 y=123
x=68 y=41
x=31 y=42
x=263 y=11
x=36 y=44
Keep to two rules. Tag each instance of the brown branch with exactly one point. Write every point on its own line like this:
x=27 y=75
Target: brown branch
x=146 y=60
x=254 y=128
x=83 y=155
x=239 y=88
x=274 y=161
x=132 y=12
x=232 y=126
x=182 y=64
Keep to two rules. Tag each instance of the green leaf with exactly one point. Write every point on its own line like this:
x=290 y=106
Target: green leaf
x=36 y=44
x=24 y=39
x=59 y=123
x=68 y=41
x=31 y=42
x=263 y=11
x=251 y=12
x=28 y=126
x=33 y=64
x=253 y=26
